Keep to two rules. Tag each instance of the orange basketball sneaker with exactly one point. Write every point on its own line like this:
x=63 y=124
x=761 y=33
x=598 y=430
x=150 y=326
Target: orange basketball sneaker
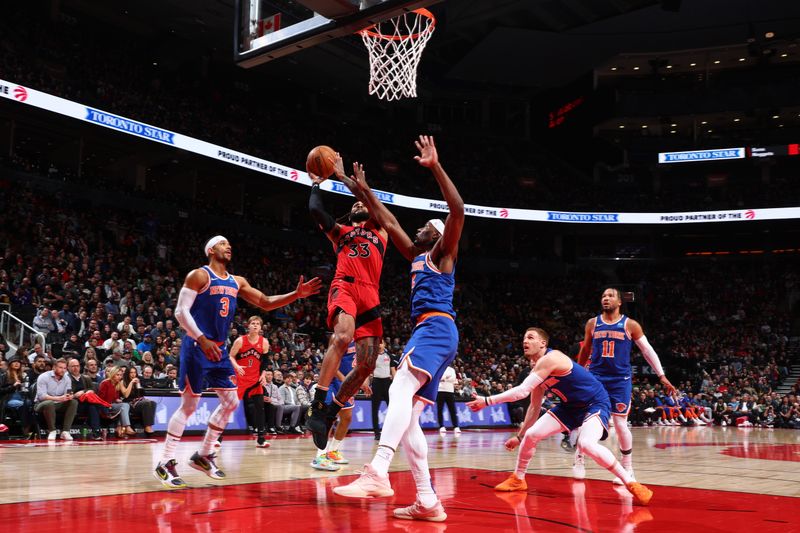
x=511 y=484
x=641 y=494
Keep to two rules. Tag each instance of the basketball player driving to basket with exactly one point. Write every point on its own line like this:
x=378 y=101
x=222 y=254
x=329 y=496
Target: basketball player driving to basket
x=353 y=304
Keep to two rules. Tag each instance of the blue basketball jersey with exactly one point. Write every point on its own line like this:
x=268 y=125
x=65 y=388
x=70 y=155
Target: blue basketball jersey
x=611 y=348
x=215 y=306
x=577 y=388
x=431 y=290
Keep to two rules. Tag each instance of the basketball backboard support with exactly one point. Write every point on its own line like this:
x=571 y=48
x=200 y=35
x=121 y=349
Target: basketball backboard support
x=269 y=29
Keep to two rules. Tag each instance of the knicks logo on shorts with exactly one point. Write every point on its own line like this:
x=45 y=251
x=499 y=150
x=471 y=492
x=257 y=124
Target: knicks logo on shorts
x=621 y=407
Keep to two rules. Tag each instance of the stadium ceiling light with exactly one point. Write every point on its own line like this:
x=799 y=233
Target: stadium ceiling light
x=710 y=131
x=769 y=35
x=673 y=131
x=673 y=125
x=635 y=68
x=692 y=64
x=776 y=116
x=742 y=59
x=669 y=66
x=716 y=62
x=736 y=120
x=613 y=68
x=644 y=126
x=784 y=55
x=704 y=122
x=622 y=126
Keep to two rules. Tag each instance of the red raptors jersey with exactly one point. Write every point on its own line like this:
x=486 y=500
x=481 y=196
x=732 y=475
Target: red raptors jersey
x=249 y=358
x=359 y=252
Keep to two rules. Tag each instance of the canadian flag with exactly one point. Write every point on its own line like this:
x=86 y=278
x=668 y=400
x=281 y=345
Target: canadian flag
x=269 y=24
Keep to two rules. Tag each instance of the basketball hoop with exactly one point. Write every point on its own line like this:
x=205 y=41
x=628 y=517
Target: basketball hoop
x=395 y=49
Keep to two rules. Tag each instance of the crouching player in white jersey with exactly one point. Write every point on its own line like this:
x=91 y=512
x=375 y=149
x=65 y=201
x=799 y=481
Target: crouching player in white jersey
x=584 y=404
x=607 y=344
x=206 y=307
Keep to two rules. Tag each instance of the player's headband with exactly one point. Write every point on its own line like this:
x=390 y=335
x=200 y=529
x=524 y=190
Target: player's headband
x=213 y=241
x=438 y=224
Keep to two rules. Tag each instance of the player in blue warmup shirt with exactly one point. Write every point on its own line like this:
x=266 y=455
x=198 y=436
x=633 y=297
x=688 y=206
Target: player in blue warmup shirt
x=205 y=309
x=609 y=338
x=432 y=346
x=584 y=404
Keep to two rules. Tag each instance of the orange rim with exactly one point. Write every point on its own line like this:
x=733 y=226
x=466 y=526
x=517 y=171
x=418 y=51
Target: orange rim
x=378 y=35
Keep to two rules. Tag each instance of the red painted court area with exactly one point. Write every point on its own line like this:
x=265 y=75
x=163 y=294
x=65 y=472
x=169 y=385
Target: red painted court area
x=551 y=504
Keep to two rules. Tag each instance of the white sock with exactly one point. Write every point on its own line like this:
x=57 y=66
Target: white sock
x=211 y=436
x=382 y=460
x=334 y=445
x=425 y=493
x=321 y=452
x=626 y=460
x=176 y=425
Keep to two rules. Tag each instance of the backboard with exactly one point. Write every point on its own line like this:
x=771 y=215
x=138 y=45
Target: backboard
x=269 y=29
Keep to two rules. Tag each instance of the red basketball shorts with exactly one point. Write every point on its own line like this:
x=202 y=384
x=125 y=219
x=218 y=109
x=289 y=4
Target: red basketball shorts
x=360 y=301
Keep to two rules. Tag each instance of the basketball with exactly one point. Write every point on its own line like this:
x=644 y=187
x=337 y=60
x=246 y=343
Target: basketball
x=320 y=161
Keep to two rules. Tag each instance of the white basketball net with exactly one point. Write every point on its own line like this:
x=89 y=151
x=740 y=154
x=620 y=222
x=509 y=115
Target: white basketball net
x=395 y=48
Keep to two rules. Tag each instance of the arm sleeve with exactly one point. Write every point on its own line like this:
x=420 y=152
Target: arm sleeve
x=185 y=300
x=650 y=355
x=517 y=393
x=318 y=213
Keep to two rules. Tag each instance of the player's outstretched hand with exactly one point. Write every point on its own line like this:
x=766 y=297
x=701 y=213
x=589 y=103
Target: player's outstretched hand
x=669 y=387
x=308 y=288
x=477 y=404
x=210 y=349
x=512 y=443
x=428 y=156
x=338 y=166
x=357 y=182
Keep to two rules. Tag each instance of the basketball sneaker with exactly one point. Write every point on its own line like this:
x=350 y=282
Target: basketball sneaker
x=337 y=458
x=457 y=431
x=641 y=494
x=511 y=484
x=317 y=424
x=370 y=484
x=167 y=474
x=321 y=462
x=442 y=430
x=261 y=442
x=578 y=467
x=418 y=512
x=618 y=481
x=206 y=465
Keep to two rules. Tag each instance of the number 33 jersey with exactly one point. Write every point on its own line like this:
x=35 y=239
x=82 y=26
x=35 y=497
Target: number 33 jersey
x=215 y=306
x=359 y=254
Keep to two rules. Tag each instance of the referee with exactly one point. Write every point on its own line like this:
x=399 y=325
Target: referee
x=385 y=368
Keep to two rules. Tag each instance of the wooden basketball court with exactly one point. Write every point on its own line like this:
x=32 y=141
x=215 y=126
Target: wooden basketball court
x=705 y=479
